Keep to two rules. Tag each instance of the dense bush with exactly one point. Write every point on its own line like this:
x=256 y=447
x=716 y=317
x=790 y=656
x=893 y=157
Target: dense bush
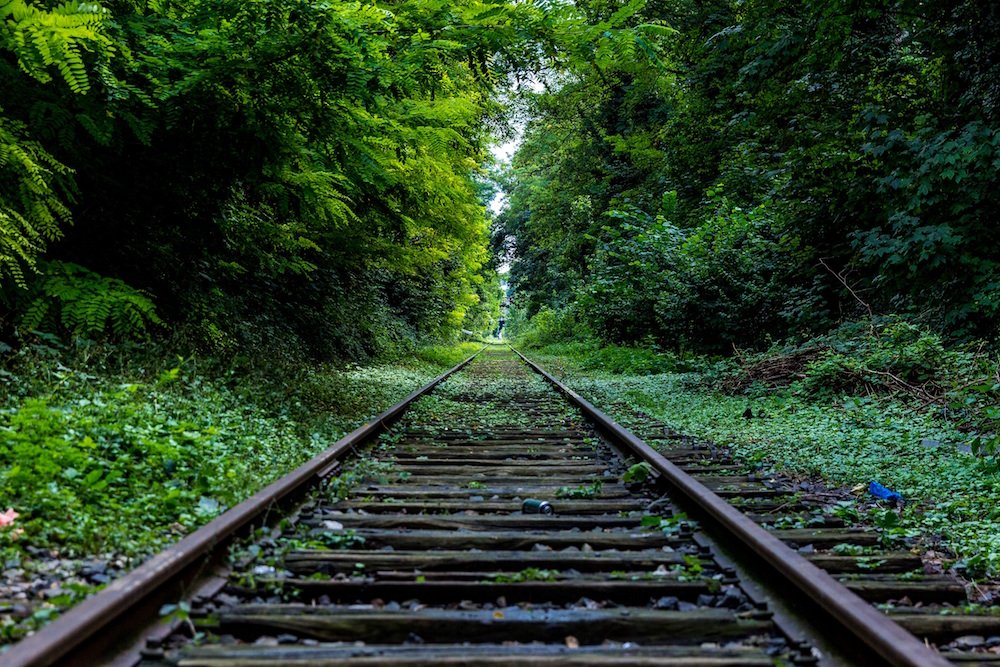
x=447 y=355
x=721 y=283
x=71 y=300
x=878 y=356
x=886 y=357
x=890 y=354
x=547 y=326
x=855 y=148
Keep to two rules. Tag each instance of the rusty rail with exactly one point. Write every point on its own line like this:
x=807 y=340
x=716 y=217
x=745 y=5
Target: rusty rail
x=103 y=617
x=897 y=646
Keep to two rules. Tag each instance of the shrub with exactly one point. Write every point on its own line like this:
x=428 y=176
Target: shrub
x=447 y=355
x=720 y=283
x=889 y=354
x=550 y=326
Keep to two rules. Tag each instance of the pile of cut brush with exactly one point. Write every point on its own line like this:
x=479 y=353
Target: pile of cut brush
x=772 y=371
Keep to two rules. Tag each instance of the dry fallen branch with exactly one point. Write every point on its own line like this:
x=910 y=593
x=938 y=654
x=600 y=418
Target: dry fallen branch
x=899 y=383
x=771 y=372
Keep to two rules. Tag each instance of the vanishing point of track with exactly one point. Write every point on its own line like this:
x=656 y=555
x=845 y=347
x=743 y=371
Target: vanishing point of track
x=418 y=552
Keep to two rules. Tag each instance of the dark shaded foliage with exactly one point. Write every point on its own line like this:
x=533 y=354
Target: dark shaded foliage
x=862 y=134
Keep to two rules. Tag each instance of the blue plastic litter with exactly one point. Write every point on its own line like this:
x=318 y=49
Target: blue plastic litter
x=882 y=492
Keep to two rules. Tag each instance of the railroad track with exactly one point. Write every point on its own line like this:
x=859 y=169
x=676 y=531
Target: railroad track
x=421 y=551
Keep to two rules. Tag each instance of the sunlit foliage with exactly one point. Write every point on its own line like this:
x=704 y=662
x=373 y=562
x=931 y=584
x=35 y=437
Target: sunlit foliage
x=264 y=169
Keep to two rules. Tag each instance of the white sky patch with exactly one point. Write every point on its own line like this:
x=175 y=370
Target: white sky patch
x=498 y=203
x=503 y=154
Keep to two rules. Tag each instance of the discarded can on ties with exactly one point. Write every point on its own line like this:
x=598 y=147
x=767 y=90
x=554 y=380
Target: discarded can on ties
x=532 y=506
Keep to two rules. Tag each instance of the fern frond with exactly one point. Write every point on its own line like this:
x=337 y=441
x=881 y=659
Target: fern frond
x=30 y=211
x=83 y=303
x=42 y=39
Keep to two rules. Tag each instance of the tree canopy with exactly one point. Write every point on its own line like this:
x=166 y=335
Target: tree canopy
x=761 y=169
x=257 y=169
x=694 y=174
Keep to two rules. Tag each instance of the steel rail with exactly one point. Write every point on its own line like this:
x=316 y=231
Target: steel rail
x=54 y=642
x=886 y=638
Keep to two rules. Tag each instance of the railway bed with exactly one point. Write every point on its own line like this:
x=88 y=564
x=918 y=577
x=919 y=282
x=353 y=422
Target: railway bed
x=420 y=551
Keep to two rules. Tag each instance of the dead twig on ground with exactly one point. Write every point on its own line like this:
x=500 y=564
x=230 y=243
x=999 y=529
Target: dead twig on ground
x=918 y=392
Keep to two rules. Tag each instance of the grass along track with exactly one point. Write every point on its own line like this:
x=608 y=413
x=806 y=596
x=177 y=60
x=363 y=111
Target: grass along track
x=418 y=553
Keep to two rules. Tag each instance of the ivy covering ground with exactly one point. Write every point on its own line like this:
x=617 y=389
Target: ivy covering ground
x=953 y=497
x=98 y=459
